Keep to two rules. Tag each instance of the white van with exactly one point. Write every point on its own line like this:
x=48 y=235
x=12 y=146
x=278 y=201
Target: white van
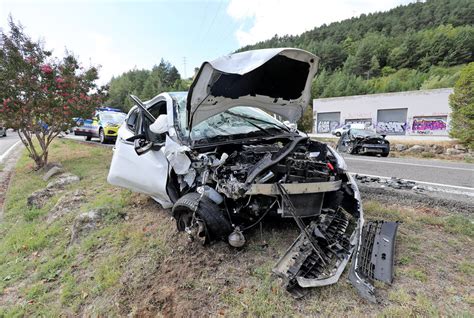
x=338 y=131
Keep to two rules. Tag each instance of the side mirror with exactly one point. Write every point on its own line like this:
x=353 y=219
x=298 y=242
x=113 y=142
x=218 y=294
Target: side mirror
x=383 y=136
x=136 y=137
x=142 y=146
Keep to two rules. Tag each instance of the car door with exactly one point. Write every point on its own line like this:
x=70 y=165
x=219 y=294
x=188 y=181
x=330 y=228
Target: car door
x=344 y=141
x=146 y=173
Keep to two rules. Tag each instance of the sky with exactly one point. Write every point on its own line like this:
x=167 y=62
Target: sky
x=122 y=35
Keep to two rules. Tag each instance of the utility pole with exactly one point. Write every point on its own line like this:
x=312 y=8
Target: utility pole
x=184 y=65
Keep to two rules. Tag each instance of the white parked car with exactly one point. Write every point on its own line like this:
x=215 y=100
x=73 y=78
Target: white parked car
x=223 y=164
x=340 y=130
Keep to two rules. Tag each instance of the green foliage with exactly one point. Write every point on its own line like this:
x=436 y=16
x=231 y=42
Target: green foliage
x=145 y=84
x=462 y=105
x=306 y=122
x=389 y=51
x=40 y=95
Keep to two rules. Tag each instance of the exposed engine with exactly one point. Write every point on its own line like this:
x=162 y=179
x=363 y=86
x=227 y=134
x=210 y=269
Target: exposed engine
x=239 y=185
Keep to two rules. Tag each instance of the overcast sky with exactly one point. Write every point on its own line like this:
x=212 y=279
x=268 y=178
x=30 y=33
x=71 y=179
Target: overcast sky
x=120 y=35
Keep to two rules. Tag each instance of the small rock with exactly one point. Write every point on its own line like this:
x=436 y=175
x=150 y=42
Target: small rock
x=66 y=204
x=52 y=172
x=437 y=149
x=460 y=147
x=84 y=223
x=400 y=147
x=63 y=180
x=39 y=198
x=453 y=151
x=416 y=149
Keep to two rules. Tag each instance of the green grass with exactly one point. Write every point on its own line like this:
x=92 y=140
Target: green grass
x=135 y=252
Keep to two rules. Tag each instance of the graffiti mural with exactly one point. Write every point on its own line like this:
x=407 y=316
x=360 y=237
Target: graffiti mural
x=391 y=127
x=326 y=126
x=430 y=125
x=366 y=121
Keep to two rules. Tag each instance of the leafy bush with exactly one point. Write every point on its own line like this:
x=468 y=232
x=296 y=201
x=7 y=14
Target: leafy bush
x=462 y=105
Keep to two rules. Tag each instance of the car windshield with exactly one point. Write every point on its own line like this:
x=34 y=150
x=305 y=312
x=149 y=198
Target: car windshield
x=364 y=133
x=112 y=117
x=236 y=121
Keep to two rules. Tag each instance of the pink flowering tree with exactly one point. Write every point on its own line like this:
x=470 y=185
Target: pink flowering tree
x=40 y=95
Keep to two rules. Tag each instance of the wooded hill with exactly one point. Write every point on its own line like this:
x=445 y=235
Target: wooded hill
x=420 y=45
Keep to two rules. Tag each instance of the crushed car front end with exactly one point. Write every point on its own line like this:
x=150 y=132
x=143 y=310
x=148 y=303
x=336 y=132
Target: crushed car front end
x=228 y=166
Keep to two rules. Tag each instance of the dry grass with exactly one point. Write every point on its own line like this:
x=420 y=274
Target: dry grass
x=137 y=264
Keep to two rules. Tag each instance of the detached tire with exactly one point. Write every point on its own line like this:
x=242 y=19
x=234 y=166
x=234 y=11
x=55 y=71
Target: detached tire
x=338 y=134
x=217 y=226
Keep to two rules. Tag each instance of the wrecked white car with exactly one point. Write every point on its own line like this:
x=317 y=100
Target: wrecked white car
x=223 y=164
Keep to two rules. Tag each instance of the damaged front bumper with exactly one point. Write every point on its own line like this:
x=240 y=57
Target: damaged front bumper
x=320 y=254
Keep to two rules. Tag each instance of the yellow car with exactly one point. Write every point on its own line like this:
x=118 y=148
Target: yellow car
x=104 y=125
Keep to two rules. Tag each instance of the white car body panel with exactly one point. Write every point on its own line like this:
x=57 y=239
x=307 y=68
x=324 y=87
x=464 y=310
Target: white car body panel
x=231 y=76
x=146 y=174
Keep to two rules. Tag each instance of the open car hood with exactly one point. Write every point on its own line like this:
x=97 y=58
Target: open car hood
x=274 y=80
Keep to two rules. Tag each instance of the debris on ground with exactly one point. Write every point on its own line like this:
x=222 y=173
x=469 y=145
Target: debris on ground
x=392 y=182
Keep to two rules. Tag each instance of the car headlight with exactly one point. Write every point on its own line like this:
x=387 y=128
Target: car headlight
x=341 y=163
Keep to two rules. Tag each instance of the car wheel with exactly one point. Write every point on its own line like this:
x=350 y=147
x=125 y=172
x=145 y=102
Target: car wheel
x=102 y=136
x=201 y=218
x=88 y=138
x=385 y=154
x=338 y=134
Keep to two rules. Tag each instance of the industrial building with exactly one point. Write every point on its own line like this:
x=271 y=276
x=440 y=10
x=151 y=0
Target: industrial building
x=424 y=112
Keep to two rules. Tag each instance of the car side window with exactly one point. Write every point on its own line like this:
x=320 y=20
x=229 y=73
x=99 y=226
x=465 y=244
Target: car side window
x=132 y=120
x=158 y=109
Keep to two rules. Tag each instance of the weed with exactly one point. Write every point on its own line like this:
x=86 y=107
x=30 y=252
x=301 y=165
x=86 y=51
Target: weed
x=418 y=274
x=459 y=224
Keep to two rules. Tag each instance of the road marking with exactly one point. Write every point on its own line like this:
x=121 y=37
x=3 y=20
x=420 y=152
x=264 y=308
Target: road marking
x=6 y=153
x=409 y=164
x=416 y=181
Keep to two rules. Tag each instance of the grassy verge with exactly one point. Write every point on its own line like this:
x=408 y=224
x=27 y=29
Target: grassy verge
x=136 y=263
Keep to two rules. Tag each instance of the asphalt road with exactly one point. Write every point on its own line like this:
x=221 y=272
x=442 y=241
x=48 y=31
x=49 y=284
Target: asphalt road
x=457 y=175
x=7 y=142
x=432 y=172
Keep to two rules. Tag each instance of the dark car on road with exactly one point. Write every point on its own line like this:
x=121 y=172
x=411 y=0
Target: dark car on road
x=363 y=141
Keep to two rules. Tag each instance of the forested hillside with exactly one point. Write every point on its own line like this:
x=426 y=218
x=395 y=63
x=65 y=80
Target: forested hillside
x=417 y=46
x=145 y=84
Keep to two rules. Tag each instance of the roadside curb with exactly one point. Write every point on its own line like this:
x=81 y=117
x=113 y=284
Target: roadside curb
x=11 y=157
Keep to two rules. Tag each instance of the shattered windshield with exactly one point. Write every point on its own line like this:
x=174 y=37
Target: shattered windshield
x=240 y=120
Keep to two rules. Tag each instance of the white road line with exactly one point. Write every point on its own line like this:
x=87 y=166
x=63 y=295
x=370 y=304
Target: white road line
x=420 y=182
x=409 y=164
x=6 y=153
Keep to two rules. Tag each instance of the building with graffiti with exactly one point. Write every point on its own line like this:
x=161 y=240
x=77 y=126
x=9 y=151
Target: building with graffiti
x=424 y=112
